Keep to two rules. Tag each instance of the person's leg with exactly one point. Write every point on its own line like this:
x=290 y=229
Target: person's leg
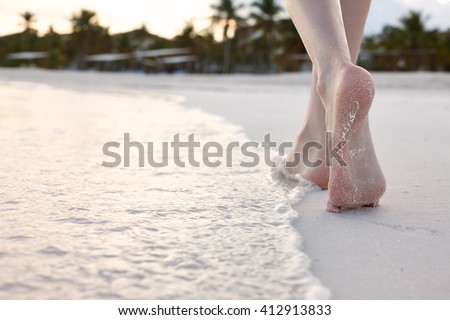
x=312 y=129
x=354 y=13
x=346 y=92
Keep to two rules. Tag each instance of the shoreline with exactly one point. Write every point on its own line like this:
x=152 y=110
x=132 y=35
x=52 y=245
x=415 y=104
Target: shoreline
x=399 y=250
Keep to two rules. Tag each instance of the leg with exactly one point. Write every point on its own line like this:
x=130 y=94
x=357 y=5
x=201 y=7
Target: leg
x=354 y=14
x=312 y=129
x=346 y=92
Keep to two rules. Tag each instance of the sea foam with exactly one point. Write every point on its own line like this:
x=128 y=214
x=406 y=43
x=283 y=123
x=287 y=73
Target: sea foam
x=72 y=229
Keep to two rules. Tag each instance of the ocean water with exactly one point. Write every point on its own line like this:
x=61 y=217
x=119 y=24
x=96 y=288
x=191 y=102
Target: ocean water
x=73 y=229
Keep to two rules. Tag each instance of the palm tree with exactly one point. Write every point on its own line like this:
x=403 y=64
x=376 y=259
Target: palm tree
x=412 y=33
x=291 y=45
x=29 y=37
x=185 y=38
x=226 y=16
x=28 y=18
x=413 y=27
x=84 y=25
x=54 y=45
x=411 y=41
x=266 y=21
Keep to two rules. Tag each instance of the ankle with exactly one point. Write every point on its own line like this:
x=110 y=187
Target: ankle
x=326 y=79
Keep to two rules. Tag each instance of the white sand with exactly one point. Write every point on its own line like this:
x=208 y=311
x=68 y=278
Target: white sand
x=400 y=250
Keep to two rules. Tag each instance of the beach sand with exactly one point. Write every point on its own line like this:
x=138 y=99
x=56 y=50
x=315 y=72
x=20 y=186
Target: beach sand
x=400 y=250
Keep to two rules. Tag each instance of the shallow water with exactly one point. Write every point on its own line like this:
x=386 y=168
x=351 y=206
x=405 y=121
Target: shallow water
x=71 y=228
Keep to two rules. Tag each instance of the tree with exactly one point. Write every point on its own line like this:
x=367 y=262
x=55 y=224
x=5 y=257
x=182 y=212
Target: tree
x=410 y=44
x=141 y=38
x=227 y=17
x=29 y=37
x=414 y=30
x=53 y=44
x=186 y=37
x=28 y=18
x=266 y=21
x=86 y=33
x=291 y=45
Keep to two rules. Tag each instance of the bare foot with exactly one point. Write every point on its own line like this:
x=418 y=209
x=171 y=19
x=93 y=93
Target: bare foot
x=311 y=133
x=347 y=95
x=296 y=163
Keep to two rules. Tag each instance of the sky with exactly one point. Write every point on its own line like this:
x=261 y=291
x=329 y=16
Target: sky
x=167 y=17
